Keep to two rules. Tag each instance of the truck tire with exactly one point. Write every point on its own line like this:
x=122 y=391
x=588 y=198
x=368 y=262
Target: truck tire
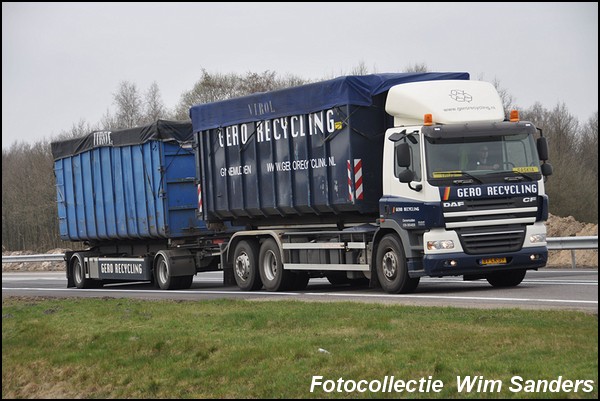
x=78 y=271
x=163 y=278
x=391 y=266
x=245 y=266
x=167 y=262
x=511 y=278
x=273 y=277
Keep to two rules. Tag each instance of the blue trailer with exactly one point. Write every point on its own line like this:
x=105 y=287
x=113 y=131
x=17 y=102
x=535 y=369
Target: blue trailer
x=130 y=196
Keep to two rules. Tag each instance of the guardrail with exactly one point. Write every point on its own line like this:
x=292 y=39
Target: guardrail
x=554 y=244
x=42 y=257
x=572 y=244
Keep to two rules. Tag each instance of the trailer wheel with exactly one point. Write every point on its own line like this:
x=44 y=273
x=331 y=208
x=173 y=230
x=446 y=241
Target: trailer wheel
x=168 y=262
x=392 y=269
x=245 y=266
x=511 y=278
x=273 y=276
x=79 y=272
x=162 y=275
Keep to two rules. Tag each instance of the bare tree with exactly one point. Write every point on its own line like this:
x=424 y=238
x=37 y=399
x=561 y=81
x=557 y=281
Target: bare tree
x=508 y=101
x=254 y=82
x=588 y=144
x=416 y=67
x=129 y=105
x=573 y=188
x=360 y=69
x=78 y=130
x=154 y=106
x=210 y=88
x=29 y=213
x=585 y=178
x=215 y=87
x=109 y=121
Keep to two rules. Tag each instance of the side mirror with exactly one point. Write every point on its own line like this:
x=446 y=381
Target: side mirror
x=542 y=148
x=403 y=155
x=546 y=169
x=406 y=176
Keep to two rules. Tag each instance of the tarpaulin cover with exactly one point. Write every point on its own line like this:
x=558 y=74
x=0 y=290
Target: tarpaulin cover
x=355 y=90
x=162 y=130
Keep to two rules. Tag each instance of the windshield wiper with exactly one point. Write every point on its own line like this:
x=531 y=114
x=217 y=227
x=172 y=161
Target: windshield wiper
x=469 y=181
x=519 y=177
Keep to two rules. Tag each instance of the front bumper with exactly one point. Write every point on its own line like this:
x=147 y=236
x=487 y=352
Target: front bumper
x=454 y=264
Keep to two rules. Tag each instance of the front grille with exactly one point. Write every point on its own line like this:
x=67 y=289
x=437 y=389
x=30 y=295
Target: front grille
x=492 y=240
x=492 y=203
x=489 y=212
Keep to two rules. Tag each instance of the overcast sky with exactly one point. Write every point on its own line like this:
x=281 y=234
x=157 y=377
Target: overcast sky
x=63 y=62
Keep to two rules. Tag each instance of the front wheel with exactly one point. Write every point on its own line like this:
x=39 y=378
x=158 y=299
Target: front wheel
x=511 y=278
x=392 y=269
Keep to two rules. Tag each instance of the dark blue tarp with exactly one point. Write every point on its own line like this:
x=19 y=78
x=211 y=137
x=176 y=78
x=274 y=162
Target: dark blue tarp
x=348 y=90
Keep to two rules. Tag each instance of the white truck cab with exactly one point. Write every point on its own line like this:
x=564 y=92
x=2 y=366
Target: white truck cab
x=463 y=187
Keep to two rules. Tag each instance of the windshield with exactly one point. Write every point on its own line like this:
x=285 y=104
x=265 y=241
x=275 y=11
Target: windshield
x=483 y=159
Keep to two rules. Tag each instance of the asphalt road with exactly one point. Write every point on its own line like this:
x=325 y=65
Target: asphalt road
x=569 y=289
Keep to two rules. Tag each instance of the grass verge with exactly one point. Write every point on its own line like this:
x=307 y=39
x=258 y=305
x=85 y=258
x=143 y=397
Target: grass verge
x=119 y=348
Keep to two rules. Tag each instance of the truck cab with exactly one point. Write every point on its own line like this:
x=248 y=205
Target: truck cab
x=463 y=187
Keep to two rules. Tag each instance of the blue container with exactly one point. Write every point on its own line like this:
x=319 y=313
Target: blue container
x=129 y=184
x=312 y=152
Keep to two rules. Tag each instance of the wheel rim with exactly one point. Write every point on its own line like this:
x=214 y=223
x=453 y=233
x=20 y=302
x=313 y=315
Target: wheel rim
x=270 y=265
x=162 y=271
x=78 y=272
x=390 y=265
x=242 y=266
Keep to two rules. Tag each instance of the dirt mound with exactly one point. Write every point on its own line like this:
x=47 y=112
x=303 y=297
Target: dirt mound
x=569 y=227
x=557 y=227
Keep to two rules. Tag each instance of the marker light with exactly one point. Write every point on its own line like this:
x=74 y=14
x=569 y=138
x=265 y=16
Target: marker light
x=514 y=116
x=428 y=119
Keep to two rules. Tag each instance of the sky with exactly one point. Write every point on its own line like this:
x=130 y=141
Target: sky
x=62 y=63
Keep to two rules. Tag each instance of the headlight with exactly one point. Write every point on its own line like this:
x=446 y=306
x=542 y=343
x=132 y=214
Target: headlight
x=443 y=244
x=536 y=238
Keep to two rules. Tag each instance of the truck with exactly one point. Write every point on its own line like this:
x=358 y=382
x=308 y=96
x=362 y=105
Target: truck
x=366 y=180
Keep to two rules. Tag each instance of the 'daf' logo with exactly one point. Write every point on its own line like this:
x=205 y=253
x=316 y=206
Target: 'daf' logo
x=460 y=95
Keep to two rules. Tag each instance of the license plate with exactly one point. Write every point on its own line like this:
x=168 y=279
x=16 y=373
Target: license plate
x=493 y=261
